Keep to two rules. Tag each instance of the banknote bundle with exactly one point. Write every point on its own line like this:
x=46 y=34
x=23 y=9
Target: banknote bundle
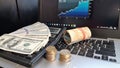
x=72 y=36
x=26 y=40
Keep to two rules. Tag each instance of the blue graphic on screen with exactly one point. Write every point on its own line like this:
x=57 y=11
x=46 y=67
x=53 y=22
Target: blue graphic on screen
x=80 y=8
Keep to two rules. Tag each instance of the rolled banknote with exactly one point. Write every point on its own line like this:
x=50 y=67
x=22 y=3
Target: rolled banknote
x=75 y=35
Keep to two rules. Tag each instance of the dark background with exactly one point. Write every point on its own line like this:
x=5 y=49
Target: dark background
x=15 y=14
x=103 y=13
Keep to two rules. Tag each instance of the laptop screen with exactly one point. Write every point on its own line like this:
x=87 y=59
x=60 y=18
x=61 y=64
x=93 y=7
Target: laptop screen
x=99 y=15
x=73 y=8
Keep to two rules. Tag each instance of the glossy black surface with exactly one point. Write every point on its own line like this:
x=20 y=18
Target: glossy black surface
x=28 y=11
x=8 y=16
x=15 y=14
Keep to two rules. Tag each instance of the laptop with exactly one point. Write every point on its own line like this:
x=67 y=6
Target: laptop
x=101 y=16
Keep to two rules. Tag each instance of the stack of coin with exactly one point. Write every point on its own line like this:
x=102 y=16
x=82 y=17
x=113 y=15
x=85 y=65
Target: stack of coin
x=65 y=55
x=51 y=52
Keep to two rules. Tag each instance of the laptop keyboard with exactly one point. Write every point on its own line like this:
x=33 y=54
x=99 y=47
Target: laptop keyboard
x=93 y=48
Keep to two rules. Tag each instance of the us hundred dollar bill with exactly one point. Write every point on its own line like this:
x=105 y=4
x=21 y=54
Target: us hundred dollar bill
x=26 y=40
x=19 y=45
x=34 y=29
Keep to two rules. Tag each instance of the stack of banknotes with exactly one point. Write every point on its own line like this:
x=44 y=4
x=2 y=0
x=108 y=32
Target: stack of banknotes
x=26 y=40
